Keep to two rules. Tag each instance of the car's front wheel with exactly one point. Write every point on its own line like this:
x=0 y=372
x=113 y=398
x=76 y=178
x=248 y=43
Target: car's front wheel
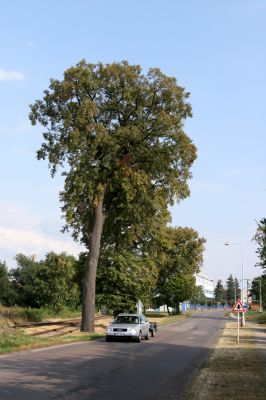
x=139 y=337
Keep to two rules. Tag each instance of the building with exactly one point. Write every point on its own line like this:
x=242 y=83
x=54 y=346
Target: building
x=207 y=285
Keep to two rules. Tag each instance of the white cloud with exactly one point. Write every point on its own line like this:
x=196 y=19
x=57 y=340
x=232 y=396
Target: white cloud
x=11 y=75
x=23 y=232
x=16 y=217
x=28 y=242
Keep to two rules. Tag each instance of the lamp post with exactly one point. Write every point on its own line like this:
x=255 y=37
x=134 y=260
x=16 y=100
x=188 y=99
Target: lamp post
x=242 y=271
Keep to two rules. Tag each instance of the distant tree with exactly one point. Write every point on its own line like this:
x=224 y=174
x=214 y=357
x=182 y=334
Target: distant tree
x=118 y=136
x=176 y=289
x=7 y=293
x=49 y=282
x=198 y=296
x=260 y=238
x=220 y=292
x=23 y=279
x=258 y=285
x=55 y=282
x=232 y=290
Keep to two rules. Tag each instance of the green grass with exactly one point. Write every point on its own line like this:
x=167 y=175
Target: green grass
x=256 y=316
x=12 y=339
x=19 y=341
x=19 y=315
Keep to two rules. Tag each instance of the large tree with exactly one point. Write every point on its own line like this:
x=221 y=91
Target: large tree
x=123 y=278
x=179 y=258
x=118 y=136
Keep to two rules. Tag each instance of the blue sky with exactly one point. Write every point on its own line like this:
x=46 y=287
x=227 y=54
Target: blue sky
x=215 y=49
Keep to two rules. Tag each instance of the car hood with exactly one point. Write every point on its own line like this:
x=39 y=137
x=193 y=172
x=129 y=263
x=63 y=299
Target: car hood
x=123 y=326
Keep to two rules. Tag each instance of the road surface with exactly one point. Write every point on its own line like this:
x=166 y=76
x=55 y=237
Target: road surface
x=157 y=369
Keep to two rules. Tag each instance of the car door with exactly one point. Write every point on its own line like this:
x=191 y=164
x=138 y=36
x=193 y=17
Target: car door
x=144 y=325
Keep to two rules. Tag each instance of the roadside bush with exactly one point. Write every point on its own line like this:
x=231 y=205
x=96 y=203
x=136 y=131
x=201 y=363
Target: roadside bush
x=262 y=318
x=33 y=314
x=18 y=315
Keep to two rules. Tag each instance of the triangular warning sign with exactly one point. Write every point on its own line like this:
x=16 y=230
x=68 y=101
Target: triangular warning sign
x=238 y=307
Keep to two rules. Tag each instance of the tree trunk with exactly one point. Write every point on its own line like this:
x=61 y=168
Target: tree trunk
x=89 y=280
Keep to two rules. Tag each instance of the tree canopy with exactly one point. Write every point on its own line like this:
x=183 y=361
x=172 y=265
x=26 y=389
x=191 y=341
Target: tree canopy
x=232 y=290
x=8 y=295
x=220 y=292
x=180 y=257
x=117 y=135
x=49 y=282
x=198 y=296
x=260 y=238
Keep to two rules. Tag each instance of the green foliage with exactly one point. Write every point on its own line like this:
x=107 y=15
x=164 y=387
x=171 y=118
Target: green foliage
x=232 y=290
x=118 y=136
x=20 y=315
x=123 y=278
x=14 y=342
x=50 y=282
x=179 y=257
x=258 y=288
x=260 y=238
x=220 y=293
x=198 y=296
x=176 y=289
x=23 y=278
x=7 y=293
x=55 y=282
x=262 y=318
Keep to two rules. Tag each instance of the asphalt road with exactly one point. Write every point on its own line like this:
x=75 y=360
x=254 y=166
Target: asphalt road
x=157 y=369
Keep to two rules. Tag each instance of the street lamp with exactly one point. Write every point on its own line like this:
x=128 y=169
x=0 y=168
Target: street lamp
x=242 y=269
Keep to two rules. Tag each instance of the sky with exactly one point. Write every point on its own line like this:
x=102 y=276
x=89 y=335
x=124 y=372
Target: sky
x=215 y=49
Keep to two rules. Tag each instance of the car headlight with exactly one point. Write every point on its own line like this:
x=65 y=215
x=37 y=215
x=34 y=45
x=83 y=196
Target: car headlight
x=109 y=329
x=132 y=330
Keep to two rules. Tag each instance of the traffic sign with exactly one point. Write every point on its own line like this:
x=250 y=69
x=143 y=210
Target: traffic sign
x=238 y=307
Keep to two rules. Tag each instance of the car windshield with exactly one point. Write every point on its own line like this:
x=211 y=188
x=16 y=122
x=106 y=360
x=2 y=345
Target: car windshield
x=127 y=319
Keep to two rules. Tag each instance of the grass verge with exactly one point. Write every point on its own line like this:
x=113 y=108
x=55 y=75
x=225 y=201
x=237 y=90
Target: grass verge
x=20 y=341
x=14 y=339
x=233 y=371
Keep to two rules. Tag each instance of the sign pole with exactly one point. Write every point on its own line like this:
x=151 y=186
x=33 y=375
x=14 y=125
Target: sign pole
x=237 y=327
x=238 y=308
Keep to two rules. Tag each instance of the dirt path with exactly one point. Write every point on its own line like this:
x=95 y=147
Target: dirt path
x=234 y=371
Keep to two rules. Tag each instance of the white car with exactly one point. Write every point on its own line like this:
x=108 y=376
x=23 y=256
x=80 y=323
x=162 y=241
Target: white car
x=129 y=326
